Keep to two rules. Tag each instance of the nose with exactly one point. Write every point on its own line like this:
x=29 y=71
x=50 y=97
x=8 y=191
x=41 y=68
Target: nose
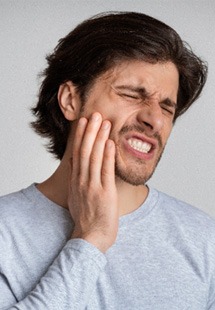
x=151 y=118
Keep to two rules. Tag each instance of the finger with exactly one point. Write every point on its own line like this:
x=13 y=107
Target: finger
x=96 y=159
x=70 y=169
x=108 y=167
x=79 y=134
x=87 y=144
x=70 y=180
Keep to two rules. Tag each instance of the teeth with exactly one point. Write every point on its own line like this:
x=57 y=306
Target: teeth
x=139 y=145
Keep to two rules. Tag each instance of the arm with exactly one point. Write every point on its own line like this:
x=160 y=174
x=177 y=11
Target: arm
x=71 y=279
x=68 y=283
x=211 y=299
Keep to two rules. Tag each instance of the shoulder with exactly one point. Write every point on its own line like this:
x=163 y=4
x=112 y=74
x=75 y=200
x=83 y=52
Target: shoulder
x=10 y=203
x=17 y=215
x=29 y=209
x=28 y=213
x=189 y=231
x=15 y=219
x=17 y=204
x=27 y=202
x=191 y=221
x=182 y=208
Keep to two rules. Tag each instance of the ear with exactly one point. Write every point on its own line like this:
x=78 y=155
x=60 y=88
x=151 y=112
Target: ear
x=69 y=101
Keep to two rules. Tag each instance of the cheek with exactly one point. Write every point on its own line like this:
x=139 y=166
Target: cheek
x=167 y=132
x=105 y=109
x=116 y=126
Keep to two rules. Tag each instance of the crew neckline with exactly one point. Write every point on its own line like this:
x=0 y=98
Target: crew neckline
x=144 y=209
x=37 y=197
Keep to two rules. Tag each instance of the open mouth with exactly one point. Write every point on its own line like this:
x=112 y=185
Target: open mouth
x=139 y=145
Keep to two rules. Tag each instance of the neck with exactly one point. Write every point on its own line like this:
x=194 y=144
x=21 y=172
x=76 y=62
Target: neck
x=55 y=188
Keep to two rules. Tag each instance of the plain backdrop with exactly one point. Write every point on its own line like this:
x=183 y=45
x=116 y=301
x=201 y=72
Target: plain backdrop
x=31 y=29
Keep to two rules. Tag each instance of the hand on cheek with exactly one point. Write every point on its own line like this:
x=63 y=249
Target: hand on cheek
x=92 y=191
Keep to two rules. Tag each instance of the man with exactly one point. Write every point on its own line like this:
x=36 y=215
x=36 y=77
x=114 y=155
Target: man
x=94 y=235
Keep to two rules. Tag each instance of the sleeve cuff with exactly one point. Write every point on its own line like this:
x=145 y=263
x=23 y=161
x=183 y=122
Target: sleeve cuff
x=87 y=250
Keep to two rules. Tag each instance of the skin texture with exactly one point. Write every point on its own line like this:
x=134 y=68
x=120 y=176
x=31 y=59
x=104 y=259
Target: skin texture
x=131 y=113
x=132 y=101
x=92 y=189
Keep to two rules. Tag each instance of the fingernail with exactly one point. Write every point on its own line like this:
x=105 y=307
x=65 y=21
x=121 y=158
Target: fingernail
x=82 y=121
x=109 y=144
x=95 y=116
x=106 y=125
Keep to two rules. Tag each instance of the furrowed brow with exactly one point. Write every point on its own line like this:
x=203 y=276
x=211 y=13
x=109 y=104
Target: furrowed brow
x=143 y=93
x=140 y=91
x=170 y=103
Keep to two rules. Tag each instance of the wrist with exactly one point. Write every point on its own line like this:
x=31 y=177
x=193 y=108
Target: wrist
x=95 y=239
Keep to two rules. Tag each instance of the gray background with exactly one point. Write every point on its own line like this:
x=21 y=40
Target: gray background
x=30 y=29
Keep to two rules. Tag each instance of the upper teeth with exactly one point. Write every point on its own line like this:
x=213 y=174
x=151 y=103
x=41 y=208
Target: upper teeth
x=139 y=145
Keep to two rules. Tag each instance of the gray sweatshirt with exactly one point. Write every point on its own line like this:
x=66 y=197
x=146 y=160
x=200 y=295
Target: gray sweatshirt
x=163 y=258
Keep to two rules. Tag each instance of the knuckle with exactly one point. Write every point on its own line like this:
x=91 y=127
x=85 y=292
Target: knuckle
x=93 y=159
x=75 y=154
x=105 y=172
x=81 y=184
x=93 y=189
x=83 y=153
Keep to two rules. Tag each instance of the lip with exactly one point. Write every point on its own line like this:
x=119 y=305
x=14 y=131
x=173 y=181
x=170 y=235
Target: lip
x=145 y=156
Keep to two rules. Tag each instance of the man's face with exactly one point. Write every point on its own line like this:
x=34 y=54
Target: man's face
x=139 y=99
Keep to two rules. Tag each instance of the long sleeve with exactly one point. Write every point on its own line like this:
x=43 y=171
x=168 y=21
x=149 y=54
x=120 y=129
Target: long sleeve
x=211 y=299
x=68 y=283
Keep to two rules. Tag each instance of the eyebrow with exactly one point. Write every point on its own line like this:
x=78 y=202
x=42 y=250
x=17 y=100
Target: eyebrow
x=142 y=92
x=138 y=90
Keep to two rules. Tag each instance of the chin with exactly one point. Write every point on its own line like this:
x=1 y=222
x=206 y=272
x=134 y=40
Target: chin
x=132 y=177
x=139 y=173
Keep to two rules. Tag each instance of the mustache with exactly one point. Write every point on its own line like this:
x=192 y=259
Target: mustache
x=139 y=129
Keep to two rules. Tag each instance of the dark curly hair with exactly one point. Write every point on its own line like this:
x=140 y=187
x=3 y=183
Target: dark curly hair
x=97 y=44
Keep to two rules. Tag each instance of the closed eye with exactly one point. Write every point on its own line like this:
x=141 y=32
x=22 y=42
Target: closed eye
x=170 y=110
x=129 y=96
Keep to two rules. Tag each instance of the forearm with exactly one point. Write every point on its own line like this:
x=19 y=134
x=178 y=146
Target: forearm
x=69 y=281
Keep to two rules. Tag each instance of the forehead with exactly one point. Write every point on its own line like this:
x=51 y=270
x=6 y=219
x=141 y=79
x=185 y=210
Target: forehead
x=161 y=77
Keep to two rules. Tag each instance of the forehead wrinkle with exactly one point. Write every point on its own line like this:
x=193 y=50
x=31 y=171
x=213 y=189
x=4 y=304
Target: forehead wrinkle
x=142 y=92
